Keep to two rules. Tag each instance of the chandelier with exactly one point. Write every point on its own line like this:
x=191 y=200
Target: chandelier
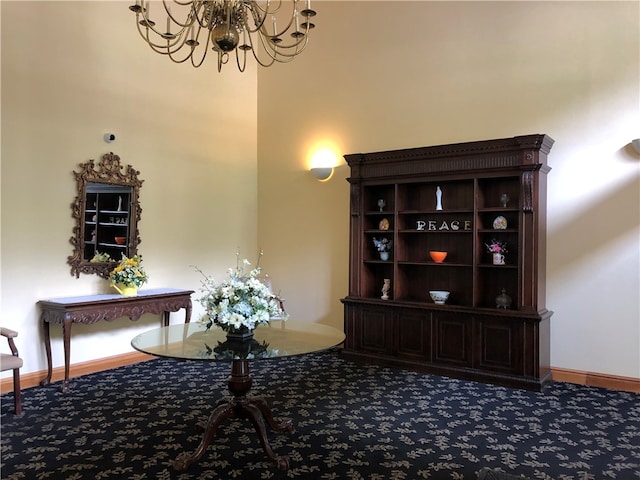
x=273 y=31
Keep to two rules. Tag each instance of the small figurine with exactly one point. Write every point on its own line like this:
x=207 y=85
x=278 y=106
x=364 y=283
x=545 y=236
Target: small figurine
x=119 y=204
x=438 y=198
x=503 y=300
x=504 y=199
x=386 y=287
x=381 y=204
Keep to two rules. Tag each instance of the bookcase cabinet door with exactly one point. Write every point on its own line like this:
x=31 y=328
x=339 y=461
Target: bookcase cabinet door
x=413 y=340
x=371 y=330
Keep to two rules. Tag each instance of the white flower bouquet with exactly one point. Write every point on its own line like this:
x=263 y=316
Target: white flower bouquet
x=240 y=303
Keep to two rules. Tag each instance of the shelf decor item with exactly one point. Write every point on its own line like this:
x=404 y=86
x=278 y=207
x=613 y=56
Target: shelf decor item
x=497 y=249
x=500 y=223
x=437 y=257
x=383 y=246
x=128 y=276
x=381 y=204
x=240 y=303
x=503 y=300
x=439 y=297
x=504 y=200
x=386 y=288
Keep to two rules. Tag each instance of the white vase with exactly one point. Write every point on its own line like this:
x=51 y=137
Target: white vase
x=498 y=259
x=384 y=256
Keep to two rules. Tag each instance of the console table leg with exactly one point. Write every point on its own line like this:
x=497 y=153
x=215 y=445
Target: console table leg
x=66 y=334
x=47 y=346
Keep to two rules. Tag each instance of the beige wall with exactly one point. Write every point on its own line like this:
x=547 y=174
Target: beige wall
x=78 y=71
x=388 y=75
x=223 y=156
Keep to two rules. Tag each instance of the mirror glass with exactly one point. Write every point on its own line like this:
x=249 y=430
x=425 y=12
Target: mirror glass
x=107 y=211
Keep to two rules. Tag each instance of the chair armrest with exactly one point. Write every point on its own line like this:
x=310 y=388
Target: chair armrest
x=10 y=334
x=6 y=332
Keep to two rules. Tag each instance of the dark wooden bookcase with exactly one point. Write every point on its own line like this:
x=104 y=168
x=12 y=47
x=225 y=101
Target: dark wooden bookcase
x=468 y=337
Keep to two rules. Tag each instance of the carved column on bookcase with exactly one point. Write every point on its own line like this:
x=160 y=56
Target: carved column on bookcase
x=355 y=243
x=355 y=199
x=527 y=191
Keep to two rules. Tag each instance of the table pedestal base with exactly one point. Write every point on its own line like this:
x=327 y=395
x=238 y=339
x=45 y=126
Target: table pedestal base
x=240 y=406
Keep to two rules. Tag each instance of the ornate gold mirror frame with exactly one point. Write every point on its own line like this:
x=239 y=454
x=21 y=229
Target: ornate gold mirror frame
x=107 y=211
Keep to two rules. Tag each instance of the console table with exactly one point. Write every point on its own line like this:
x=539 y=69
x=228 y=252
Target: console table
x=94 y=308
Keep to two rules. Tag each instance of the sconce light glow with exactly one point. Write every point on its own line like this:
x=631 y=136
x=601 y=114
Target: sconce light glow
x=322 y=162
x=322 y=173
x=636 y=145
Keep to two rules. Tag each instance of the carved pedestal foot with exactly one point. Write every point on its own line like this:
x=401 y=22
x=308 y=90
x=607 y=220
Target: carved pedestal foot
x=282 y=462
x=285 y=425
x=183 y=461
x=215 y=419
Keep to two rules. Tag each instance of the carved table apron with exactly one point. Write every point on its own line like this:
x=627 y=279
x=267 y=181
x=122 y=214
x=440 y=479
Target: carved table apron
x=94 y=308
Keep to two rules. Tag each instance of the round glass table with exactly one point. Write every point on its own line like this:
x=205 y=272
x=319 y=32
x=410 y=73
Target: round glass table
x=192 y=341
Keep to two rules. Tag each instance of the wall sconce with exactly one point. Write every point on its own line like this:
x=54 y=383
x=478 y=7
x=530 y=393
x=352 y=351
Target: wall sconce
x=636 y=145
x=323 y=161
x=322 y=173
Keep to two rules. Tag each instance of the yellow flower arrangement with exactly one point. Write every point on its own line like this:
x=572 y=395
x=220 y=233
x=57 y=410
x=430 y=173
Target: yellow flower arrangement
x=129 y=272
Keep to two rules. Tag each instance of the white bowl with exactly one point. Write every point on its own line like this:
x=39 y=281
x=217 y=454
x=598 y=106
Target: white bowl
x=439 y=296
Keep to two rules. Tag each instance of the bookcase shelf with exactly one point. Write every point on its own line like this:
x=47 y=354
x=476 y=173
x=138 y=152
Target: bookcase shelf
x=455 y=198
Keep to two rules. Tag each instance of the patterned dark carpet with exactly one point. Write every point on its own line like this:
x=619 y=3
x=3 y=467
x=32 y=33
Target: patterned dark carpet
x=352 y=422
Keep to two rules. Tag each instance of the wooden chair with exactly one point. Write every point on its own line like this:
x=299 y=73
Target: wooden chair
x=12 y=362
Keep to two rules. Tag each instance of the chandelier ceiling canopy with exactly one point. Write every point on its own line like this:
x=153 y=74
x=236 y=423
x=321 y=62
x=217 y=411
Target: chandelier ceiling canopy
x=273 y=31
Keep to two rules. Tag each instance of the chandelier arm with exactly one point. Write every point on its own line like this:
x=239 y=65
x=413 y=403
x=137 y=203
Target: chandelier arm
x=204 y=51
x=159 y=48
x=149 y=25
x=244 y=59
x=188 y=2
x=195 y=5
x=255 y=6
x=281 y=53
x=260 y=20
x=163 y=50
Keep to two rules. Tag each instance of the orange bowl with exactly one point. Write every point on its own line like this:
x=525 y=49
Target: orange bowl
x=121 y=240
x=437 y=257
